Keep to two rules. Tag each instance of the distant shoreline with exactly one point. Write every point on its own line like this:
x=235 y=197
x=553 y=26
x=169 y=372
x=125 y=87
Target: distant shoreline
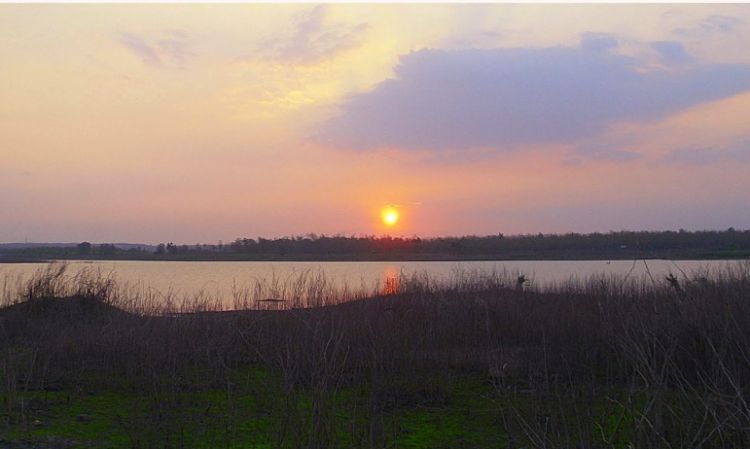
x=571 y=258
x=623 y=245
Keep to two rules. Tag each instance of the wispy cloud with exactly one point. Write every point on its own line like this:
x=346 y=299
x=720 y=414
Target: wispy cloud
x=719 y=23
x=312 y=40
x=175 y=47
x=713 y=24
x=707 y=156
x=613 y=148
x=171 y=50
x=140 y=48
x=507 y=98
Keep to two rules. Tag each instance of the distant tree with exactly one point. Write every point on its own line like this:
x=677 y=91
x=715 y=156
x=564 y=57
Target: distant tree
x=107 y=249
x=596 y=244
x=84 y=248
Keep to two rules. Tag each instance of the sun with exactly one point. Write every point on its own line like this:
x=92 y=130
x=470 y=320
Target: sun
x=389 y=216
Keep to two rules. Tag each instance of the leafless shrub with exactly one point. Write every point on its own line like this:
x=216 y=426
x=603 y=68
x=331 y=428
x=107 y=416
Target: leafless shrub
x=604 y=362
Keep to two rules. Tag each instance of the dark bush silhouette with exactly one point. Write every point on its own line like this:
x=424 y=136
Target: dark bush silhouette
x=601 y=363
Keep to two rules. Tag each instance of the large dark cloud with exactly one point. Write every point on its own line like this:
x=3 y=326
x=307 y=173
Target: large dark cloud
x=508 y=97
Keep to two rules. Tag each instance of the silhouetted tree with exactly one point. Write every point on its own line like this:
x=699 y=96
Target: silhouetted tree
x=107 y=249
x=84 y=248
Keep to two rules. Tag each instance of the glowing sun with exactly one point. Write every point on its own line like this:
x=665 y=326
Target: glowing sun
x=389 y=216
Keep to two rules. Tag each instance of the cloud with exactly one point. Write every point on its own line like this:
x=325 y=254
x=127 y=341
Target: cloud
x=505 y=98
x=671 y=52
x=707 y=156
x=719 y=23
x=173 y=50
x=311 y=40
x=143 y=50
x=598 y=42
x=711 y=25
x=175 y=47
x=607 y=148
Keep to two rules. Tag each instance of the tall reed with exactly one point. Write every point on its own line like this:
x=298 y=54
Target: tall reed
x=601 y=362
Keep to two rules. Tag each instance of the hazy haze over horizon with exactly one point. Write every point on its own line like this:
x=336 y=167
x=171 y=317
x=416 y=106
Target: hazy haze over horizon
x=198 y=122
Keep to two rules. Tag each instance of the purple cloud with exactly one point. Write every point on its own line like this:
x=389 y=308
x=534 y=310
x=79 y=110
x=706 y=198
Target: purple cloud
x=671 y=52
x=598 y=42
x=510 y=97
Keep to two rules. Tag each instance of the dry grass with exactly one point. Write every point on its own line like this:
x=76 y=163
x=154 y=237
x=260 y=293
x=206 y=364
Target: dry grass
x=605 y=362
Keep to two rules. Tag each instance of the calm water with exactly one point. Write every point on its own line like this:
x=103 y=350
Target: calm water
x=221 y=279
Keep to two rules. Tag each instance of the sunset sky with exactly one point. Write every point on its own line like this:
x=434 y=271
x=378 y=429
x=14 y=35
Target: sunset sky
x=193 y=123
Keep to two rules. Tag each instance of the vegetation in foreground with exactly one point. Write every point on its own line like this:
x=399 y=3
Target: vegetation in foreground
x=476 y=362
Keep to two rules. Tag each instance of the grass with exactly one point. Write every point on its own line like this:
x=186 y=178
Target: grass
x=477 y=361
x=212 y=419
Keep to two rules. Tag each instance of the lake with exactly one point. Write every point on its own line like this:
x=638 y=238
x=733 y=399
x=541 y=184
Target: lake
x=226 y=280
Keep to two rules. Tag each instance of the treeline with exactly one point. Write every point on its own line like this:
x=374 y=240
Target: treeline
x=730 y=243
x=625 y=242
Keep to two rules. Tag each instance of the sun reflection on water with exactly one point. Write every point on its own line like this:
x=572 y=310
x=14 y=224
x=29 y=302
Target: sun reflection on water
x=391 y=280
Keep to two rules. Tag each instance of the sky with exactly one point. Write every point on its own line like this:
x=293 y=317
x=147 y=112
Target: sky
x=194 y=123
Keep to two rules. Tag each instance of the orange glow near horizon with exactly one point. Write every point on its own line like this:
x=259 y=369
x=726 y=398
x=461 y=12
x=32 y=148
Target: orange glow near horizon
x=274 y=120
x=389 y=215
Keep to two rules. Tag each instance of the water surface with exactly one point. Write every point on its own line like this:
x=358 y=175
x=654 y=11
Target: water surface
x=223 y=279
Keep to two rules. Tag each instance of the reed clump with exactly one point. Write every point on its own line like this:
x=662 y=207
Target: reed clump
x=603 y=362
